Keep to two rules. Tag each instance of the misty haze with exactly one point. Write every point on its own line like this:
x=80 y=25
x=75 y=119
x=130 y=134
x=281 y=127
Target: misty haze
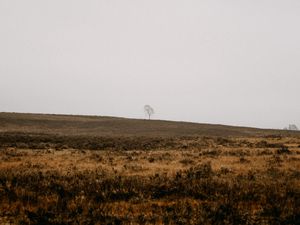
x=223 y=62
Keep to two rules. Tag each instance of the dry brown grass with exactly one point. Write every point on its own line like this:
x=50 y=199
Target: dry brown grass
x=49 y=178
x=227 y=165
x=140 y=162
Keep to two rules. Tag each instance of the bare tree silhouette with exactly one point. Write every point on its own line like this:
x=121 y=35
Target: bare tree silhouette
x=149 y=111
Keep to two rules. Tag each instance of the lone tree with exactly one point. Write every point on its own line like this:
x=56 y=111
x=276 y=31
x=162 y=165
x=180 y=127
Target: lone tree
x=149 y=110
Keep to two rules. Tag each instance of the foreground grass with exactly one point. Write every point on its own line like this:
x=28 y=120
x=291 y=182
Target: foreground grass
x=195 y=181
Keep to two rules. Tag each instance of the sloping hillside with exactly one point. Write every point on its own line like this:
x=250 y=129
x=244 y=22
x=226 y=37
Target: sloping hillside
x=113 y=126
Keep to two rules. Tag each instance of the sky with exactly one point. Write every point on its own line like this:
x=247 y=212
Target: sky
x=233 y=62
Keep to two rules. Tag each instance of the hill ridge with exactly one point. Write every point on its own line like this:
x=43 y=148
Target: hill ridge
x=118 y=126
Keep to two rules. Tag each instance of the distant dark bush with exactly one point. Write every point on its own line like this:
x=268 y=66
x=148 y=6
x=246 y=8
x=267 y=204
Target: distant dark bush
x=283 y=150
x=265 y=144
x=244 y=160
x=200 y=171
x=225 y=170
x=187 y=162
x=210 y=152
x=151 y=159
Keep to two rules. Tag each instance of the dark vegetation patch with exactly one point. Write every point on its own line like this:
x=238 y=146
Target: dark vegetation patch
x=265 y=144
x=46 y=141
x=283 y=150
x=43 y=141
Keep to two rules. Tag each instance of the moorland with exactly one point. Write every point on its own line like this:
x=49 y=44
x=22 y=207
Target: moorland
x=64 y=169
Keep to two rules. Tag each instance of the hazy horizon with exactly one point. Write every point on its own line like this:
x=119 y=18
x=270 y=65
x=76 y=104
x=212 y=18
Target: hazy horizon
x=221 y=62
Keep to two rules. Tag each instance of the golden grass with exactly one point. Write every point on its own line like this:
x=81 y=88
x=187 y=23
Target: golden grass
x=238 y=160
x=50 y=178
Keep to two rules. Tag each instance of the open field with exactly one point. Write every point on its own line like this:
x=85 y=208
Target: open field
x=68 y=170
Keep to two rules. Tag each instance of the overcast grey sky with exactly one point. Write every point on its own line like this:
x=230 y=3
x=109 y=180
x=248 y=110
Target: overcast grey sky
x=214 y=61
